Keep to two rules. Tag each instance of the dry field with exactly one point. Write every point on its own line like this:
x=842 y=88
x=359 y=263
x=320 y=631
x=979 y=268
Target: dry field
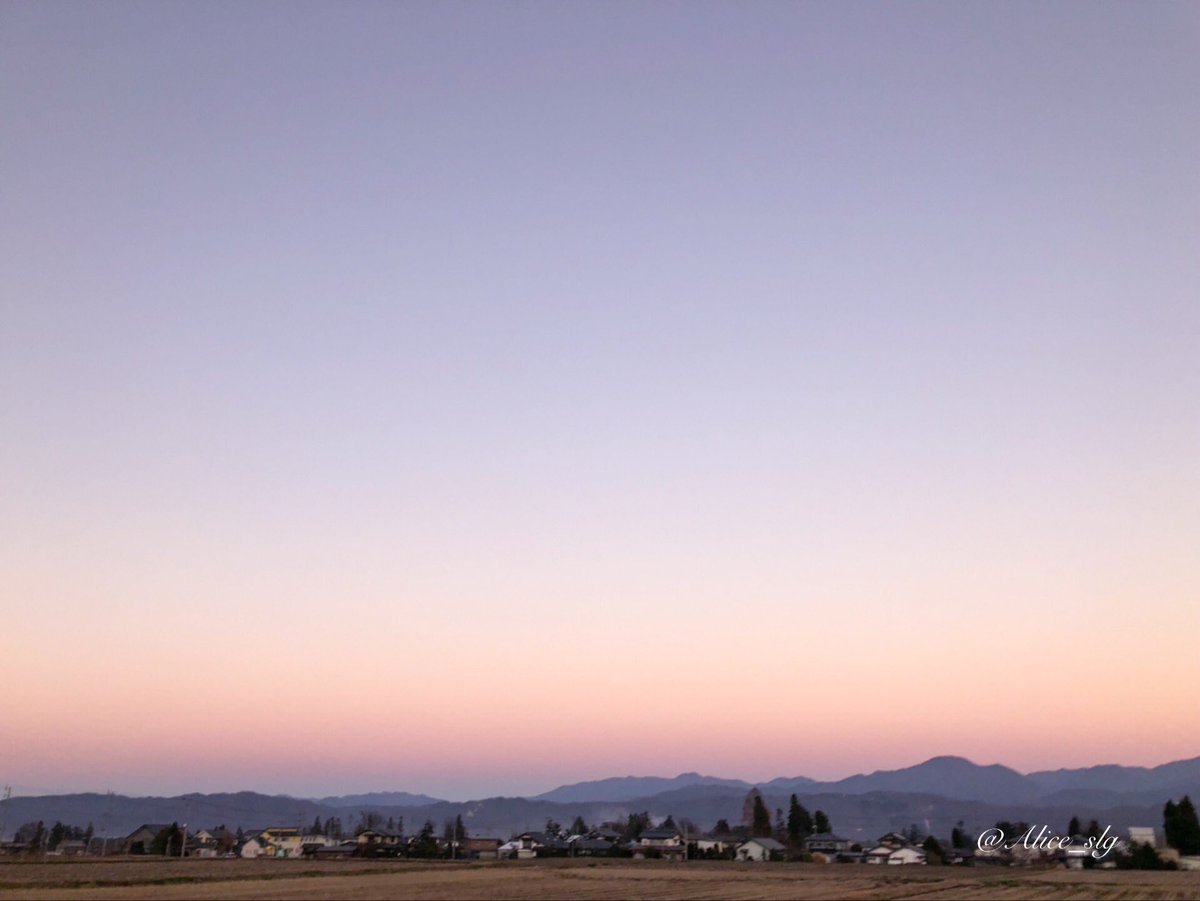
x=351 y=879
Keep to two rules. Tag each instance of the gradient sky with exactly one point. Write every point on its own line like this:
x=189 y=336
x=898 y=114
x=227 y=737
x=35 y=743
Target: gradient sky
x=474 y=397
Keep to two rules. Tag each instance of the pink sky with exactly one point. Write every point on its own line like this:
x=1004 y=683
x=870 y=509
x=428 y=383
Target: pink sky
x=472 y=398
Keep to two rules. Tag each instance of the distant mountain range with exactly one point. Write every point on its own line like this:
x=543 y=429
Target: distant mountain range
x=935 y=794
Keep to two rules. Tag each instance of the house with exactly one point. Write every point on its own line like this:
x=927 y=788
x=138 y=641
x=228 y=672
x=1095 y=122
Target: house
x=893 y=840
x=140 y=840
x=659 y=842
x=760 y=849
x=252 y=847
x=706 y=844
x=379 y=837
x=203 y=837
x=480 y=848
x=888 y=856
x=1143 y=835
x=590 y=847
x=281 y=841
x=960 y=856
x=381 y=843
x=660 y=838
x=528 y=844
x=827 y=843
x=71 y=848
x=335 y=852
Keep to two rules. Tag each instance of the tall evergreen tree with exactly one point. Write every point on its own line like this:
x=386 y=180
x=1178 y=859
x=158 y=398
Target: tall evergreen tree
x=958 y=838
x=317 y=828
x=1171 y=823
x=761 y=819
x=934 y=855
x=578 y=826
x=1182 y=827
x=460 y=831
x=1074 y=827
x=821 y=822
x=799 y=821
x=754 y=796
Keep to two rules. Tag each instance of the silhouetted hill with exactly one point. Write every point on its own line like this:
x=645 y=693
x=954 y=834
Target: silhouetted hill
x=949 y=777
x=378 y=799
x=935 y=795
x=623 y=788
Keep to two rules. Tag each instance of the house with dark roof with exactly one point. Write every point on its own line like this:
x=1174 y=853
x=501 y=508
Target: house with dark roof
x=479 y=848
x=140 y=840
x=827 y=843
x=760 y=849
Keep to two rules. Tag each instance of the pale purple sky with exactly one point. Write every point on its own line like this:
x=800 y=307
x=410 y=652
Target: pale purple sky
x=476 y=344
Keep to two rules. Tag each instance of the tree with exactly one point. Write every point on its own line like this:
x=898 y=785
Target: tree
x=958 y=838
x=317 y=828
x=88 y=834
x=799 y=821
x=722 y=828
x=57 y=833
x=1181 y=826
x=460 y=831
x=553 y=828
x=934 y=855
x=424 y=845
x=168 y=841
x=391 y=824
x=760 y=825
x=1012 y=830
x=635 y=825
x=1171 y=823
x=753 y=797
x=1143 y=857
x=669 y=823
x=821 y=822
x=1074 y=828
x=1093 y=829
x=578 y=826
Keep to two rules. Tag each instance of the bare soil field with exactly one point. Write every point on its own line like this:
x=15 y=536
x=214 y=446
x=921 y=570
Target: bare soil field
x=354 y=879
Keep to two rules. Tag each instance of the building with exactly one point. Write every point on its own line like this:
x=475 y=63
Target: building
x=827 y=843
x=887 y=856
x=480 y=848
x=140 y=840
x=760 y=849
x=659 y=842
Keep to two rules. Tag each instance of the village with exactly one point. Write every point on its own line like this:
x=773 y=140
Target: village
x=666 y=841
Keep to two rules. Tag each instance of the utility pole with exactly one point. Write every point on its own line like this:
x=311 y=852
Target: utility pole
x=105 y=821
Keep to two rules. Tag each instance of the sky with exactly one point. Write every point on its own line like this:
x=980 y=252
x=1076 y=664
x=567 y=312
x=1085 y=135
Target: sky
x=470 y=398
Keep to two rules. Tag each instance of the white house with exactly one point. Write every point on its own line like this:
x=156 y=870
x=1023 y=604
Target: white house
x=896 y=856
x=712 y=843
x=759 y=849
x=253 y=848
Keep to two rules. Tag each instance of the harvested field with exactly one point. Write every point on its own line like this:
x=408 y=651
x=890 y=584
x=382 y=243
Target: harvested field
x=253 y=879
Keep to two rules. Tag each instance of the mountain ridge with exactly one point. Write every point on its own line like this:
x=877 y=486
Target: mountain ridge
x=937 y=791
